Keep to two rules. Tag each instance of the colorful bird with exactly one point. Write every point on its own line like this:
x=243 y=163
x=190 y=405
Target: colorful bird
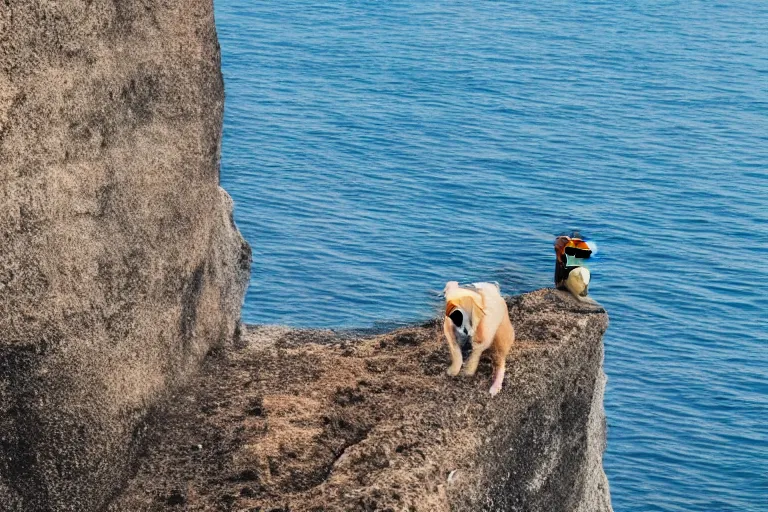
x=570 y=272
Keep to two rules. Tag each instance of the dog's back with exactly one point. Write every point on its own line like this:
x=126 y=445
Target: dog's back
x=494 y=305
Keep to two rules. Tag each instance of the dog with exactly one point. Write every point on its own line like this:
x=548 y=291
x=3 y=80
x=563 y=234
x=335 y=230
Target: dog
x=476 y=319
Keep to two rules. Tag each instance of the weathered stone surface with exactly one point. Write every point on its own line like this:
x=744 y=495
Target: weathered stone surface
x=306 y=420
x=119 y=262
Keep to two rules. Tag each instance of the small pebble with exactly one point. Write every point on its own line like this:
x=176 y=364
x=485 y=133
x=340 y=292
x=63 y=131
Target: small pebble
x=176 y=498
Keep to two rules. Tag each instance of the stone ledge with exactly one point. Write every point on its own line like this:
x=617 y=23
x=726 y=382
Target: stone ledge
x=316 y=420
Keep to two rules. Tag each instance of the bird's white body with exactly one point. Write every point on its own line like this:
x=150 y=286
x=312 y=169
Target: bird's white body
x=578 y=281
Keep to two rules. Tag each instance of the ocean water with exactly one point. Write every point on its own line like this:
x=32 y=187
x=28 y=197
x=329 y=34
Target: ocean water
x=376 y=150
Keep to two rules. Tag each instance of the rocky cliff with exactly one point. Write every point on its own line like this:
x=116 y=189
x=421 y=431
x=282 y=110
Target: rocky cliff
x=120 y=265
x=120 y=269
x=305 y=420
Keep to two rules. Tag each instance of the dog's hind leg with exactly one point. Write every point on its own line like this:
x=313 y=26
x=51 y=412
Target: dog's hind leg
x=502 y=343
x=499 y=368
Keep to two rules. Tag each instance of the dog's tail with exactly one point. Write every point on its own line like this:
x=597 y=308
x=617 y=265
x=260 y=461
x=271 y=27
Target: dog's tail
x=450 y=285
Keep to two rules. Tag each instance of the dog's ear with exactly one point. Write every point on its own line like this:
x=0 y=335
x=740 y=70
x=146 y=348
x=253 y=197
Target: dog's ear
x=449 y=308
x=477 y=311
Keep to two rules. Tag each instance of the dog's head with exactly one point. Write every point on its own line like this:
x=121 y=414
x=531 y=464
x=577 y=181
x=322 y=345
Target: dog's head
x=465 y=311
x=465 y=314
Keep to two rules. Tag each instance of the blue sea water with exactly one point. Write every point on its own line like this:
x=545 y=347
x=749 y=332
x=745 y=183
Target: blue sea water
x=376 y=150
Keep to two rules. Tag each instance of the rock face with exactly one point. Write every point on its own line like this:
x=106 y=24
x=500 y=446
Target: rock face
x=306 y=420
x=120 y=265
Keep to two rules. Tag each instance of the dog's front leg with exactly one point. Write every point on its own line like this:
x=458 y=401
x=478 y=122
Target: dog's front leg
x=473 y=360
x=479 y=345
x=453 y=347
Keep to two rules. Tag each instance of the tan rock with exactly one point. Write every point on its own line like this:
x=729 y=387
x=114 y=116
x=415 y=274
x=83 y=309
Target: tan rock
x=120 y=266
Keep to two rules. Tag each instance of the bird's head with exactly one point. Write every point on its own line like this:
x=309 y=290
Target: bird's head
x=574 y=247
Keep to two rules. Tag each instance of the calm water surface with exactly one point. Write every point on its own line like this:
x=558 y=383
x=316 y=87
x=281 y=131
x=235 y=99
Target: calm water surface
x=377 y=149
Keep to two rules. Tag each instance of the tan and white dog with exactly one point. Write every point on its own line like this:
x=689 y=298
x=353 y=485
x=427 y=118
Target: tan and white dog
x=477 y=318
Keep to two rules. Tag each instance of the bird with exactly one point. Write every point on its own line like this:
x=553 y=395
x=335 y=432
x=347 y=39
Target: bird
x=570 y=272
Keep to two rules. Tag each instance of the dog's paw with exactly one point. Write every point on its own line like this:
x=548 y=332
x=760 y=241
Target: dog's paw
x=495 y=389
x=453 y=371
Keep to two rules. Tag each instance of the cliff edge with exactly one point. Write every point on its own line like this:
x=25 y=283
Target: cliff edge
x=312 y=420
x=120 y=266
